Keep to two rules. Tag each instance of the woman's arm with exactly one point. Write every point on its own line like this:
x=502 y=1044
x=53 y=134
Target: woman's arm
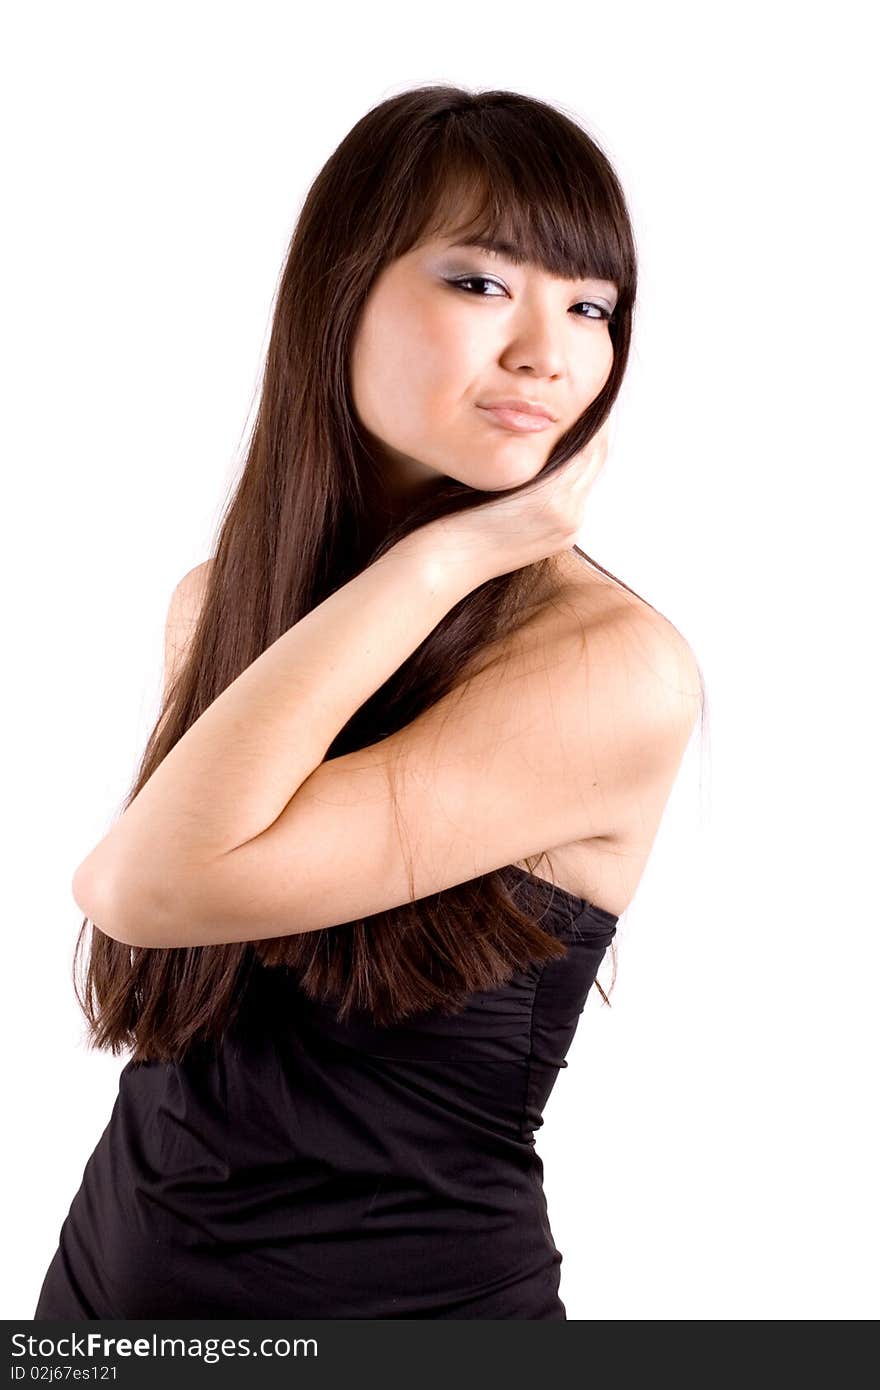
x=244 y=833
x=237 y=767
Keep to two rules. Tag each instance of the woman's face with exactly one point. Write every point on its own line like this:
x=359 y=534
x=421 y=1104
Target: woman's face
x=430 y=354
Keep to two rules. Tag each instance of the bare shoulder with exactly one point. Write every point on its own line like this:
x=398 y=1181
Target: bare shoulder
x=559 y=740
x=183 y=615
x=656 y=656
x=190 y=590
x=188 y=597
x=645 y=692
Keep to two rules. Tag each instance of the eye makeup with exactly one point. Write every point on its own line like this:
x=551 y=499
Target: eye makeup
x=464 y=282
x=460 y=268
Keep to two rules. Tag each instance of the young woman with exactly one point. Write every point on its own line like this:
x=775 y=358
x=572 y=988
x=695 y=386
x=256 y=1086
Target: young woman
x=396 y=690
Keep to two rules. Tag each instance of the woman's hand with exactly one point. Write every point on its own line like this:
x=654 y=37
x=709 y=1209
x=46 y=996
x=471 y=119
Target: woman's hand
x=511 y=532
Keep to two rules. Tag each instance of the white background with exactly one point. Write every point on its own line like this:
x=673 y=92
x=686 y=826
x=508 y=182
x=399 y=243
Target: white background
x=708 y=1152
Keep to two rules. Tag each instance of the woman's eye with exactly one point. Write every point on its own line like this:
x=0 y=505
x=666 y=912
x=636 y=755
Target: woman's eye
x=476 y=279
x=600 y=311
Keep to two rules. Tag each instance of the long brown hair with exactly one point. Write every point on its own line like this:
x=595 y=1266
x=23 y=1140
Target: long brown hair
x=309 y=513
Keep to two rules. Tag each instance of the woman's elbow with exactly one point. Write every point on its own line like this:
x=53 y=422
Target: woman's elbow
x=117 y=912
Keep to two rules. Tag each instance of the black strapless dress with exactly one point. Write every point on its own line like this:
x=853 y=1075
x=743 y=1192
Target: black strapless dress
x=310 y=1169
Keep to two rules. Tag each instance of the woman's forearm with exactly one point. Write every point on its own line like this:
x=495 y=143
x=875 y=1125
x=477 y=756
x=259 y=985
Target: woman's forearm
x=237 y=767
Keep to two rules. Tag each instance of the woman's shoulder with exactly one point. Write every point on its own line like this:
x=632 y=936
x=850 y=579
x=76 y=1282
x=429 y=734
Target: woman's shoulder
x=641 y=648
x=577 y=597
x=188 y=597
x=196 y=579
x=600 y=599
x=183 y=615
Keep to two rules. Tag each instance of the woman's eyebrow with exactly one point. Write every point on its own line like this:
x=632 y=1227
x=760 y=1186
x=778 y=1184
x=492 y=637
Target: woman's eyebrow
x=509 y=250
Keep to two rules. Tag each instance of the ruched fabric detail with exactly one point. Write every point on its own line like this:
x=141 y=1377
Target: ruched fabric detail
x=312 y=1169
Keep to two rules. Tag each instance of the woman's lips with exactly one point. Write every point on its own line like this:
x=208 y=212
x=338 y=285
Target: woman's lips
x=516 y=420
